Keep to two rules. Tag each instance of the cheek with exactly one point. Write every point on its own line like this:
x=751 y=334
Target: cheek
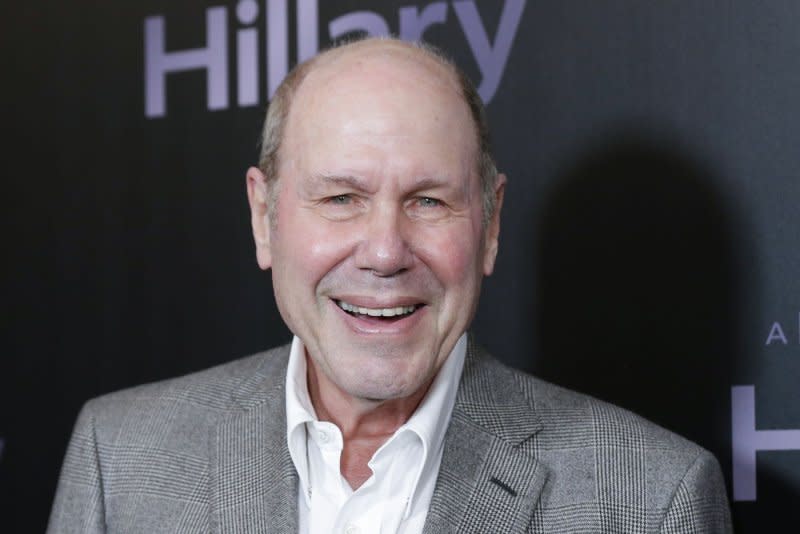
x=310 y=247
x=453 y=256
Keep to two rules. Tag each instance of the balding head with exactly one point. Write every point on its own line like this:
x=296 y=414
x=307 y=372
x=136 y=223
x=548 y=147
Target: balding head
x=433 y=68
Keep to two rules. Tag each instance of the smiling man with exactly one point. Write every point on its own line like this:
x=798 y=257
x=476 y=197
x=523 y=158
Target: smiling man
x=376 y=208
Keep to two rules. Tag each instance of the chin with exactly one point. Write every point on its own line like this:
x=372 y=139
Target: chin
x=382 y=388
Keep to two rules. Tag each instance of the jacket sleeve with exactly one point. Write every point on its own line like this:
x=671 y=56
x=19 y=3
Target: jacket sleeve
x=700 y=502
x=79 y=500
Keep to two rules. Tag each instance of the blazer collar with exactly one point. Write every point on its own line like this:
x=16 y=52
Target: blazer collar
x=489 y=479
x=253 y=482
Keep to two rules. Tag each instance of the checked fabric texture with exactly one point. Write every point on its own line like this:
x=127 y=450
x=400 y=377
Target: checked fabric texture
x=207 y=453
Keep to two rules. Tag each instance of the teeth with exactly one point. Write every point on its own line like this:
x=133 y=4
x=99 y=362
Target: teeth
x=376 y=312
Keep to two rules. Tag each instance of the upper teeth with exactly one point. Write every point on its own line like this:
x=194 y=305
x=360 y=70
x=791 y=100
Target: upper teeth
x=376 y=312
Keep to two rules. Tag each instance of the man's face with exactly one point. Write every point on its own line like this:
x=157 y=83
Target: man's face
x=378 y=249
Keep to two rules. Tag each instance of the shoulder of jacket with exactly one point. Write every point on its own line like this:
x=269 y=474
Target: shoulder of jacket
x=564 y=411
x=211 y=390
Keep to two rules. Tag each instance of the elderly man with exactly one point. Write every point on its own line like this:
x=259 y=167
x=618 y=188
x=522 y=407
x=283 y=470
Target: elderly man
x=376 y=206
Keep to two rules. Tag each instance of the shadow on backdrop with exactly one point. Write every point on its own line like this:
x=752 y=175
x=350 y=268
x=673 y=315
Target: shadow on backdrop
x=639 y=292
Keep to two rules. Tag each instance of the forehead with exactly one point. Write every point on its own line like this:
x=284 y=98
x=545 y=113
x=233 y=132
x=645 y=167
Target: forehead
x=376 y=59
x=382 y=90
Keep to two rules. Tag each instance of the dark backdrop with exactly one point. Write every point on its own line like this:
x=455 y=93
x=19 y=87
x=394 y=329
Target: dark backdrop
x=649 y=243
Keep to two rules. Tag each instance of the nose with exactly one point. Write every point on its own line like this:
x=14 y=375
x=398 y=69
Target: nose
x=385 y=249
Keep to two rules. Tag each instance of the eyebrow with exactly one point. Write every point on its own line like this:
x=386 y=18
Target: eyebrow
x=427 y=182
x=354 y=182
x=340 y=179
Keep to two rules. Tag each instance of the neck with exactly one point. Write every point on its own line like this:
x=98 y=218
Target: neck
x=355 y=416
x=366 y=424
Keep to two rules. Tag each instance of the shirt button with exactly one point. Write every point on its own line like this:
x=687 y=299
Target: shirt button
x=351 y=529
x=323 y=436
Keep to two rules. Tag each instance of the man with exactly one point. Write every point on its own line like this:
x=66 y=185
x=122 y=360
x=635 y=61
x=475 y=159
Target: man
x=376 y=206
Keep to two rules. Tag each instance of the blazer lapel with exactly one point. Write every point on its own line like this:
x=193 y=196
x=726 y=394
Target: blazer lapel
x=489 y=480
x=253 y=480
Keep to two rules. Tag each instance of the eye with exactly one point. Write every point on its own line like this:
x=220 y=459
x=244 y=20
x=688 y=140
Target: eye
x=429 y=202
x=426 y=208
x=340 y=207
x=340 y=200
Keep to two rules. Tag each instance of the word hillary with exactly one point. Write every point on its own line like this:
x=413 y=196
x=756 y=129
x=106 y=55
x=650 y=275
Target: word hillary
x=490 y=55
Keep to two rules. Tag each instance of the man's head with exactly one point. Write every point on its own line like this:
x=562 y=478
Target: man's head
x=376 y=234
x=278 y=111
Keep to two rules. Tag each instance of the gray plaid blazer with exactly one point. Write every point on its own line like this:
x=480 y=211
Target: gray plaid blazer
x=207 y=453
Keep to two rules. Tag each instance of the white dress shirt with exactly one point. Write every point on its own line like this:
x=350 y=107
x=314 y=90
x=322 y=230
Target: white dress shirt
x=395 y=499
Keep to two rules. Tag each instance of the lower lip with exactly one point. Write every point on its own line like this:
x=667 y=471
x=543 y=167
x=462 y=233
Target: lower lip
x=367 y=325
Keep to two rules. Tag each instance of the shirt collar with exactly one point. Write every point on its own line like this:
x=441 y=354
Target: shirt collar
x=299 y=411
x=429 y=421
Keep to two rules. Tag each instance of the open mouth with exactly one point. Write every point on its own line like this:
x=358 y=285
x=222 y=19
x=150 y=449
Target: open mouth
x=387 y=314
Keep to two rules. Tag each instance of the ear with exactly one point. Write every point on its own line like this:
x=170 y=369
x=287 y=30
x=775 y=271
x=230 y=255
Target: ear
x=493 y=227
x=259 y=215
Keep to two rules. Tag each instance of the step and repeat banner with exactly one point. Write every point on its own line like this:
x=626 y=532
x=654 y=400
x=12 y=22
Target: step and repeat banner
x=649 y=248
